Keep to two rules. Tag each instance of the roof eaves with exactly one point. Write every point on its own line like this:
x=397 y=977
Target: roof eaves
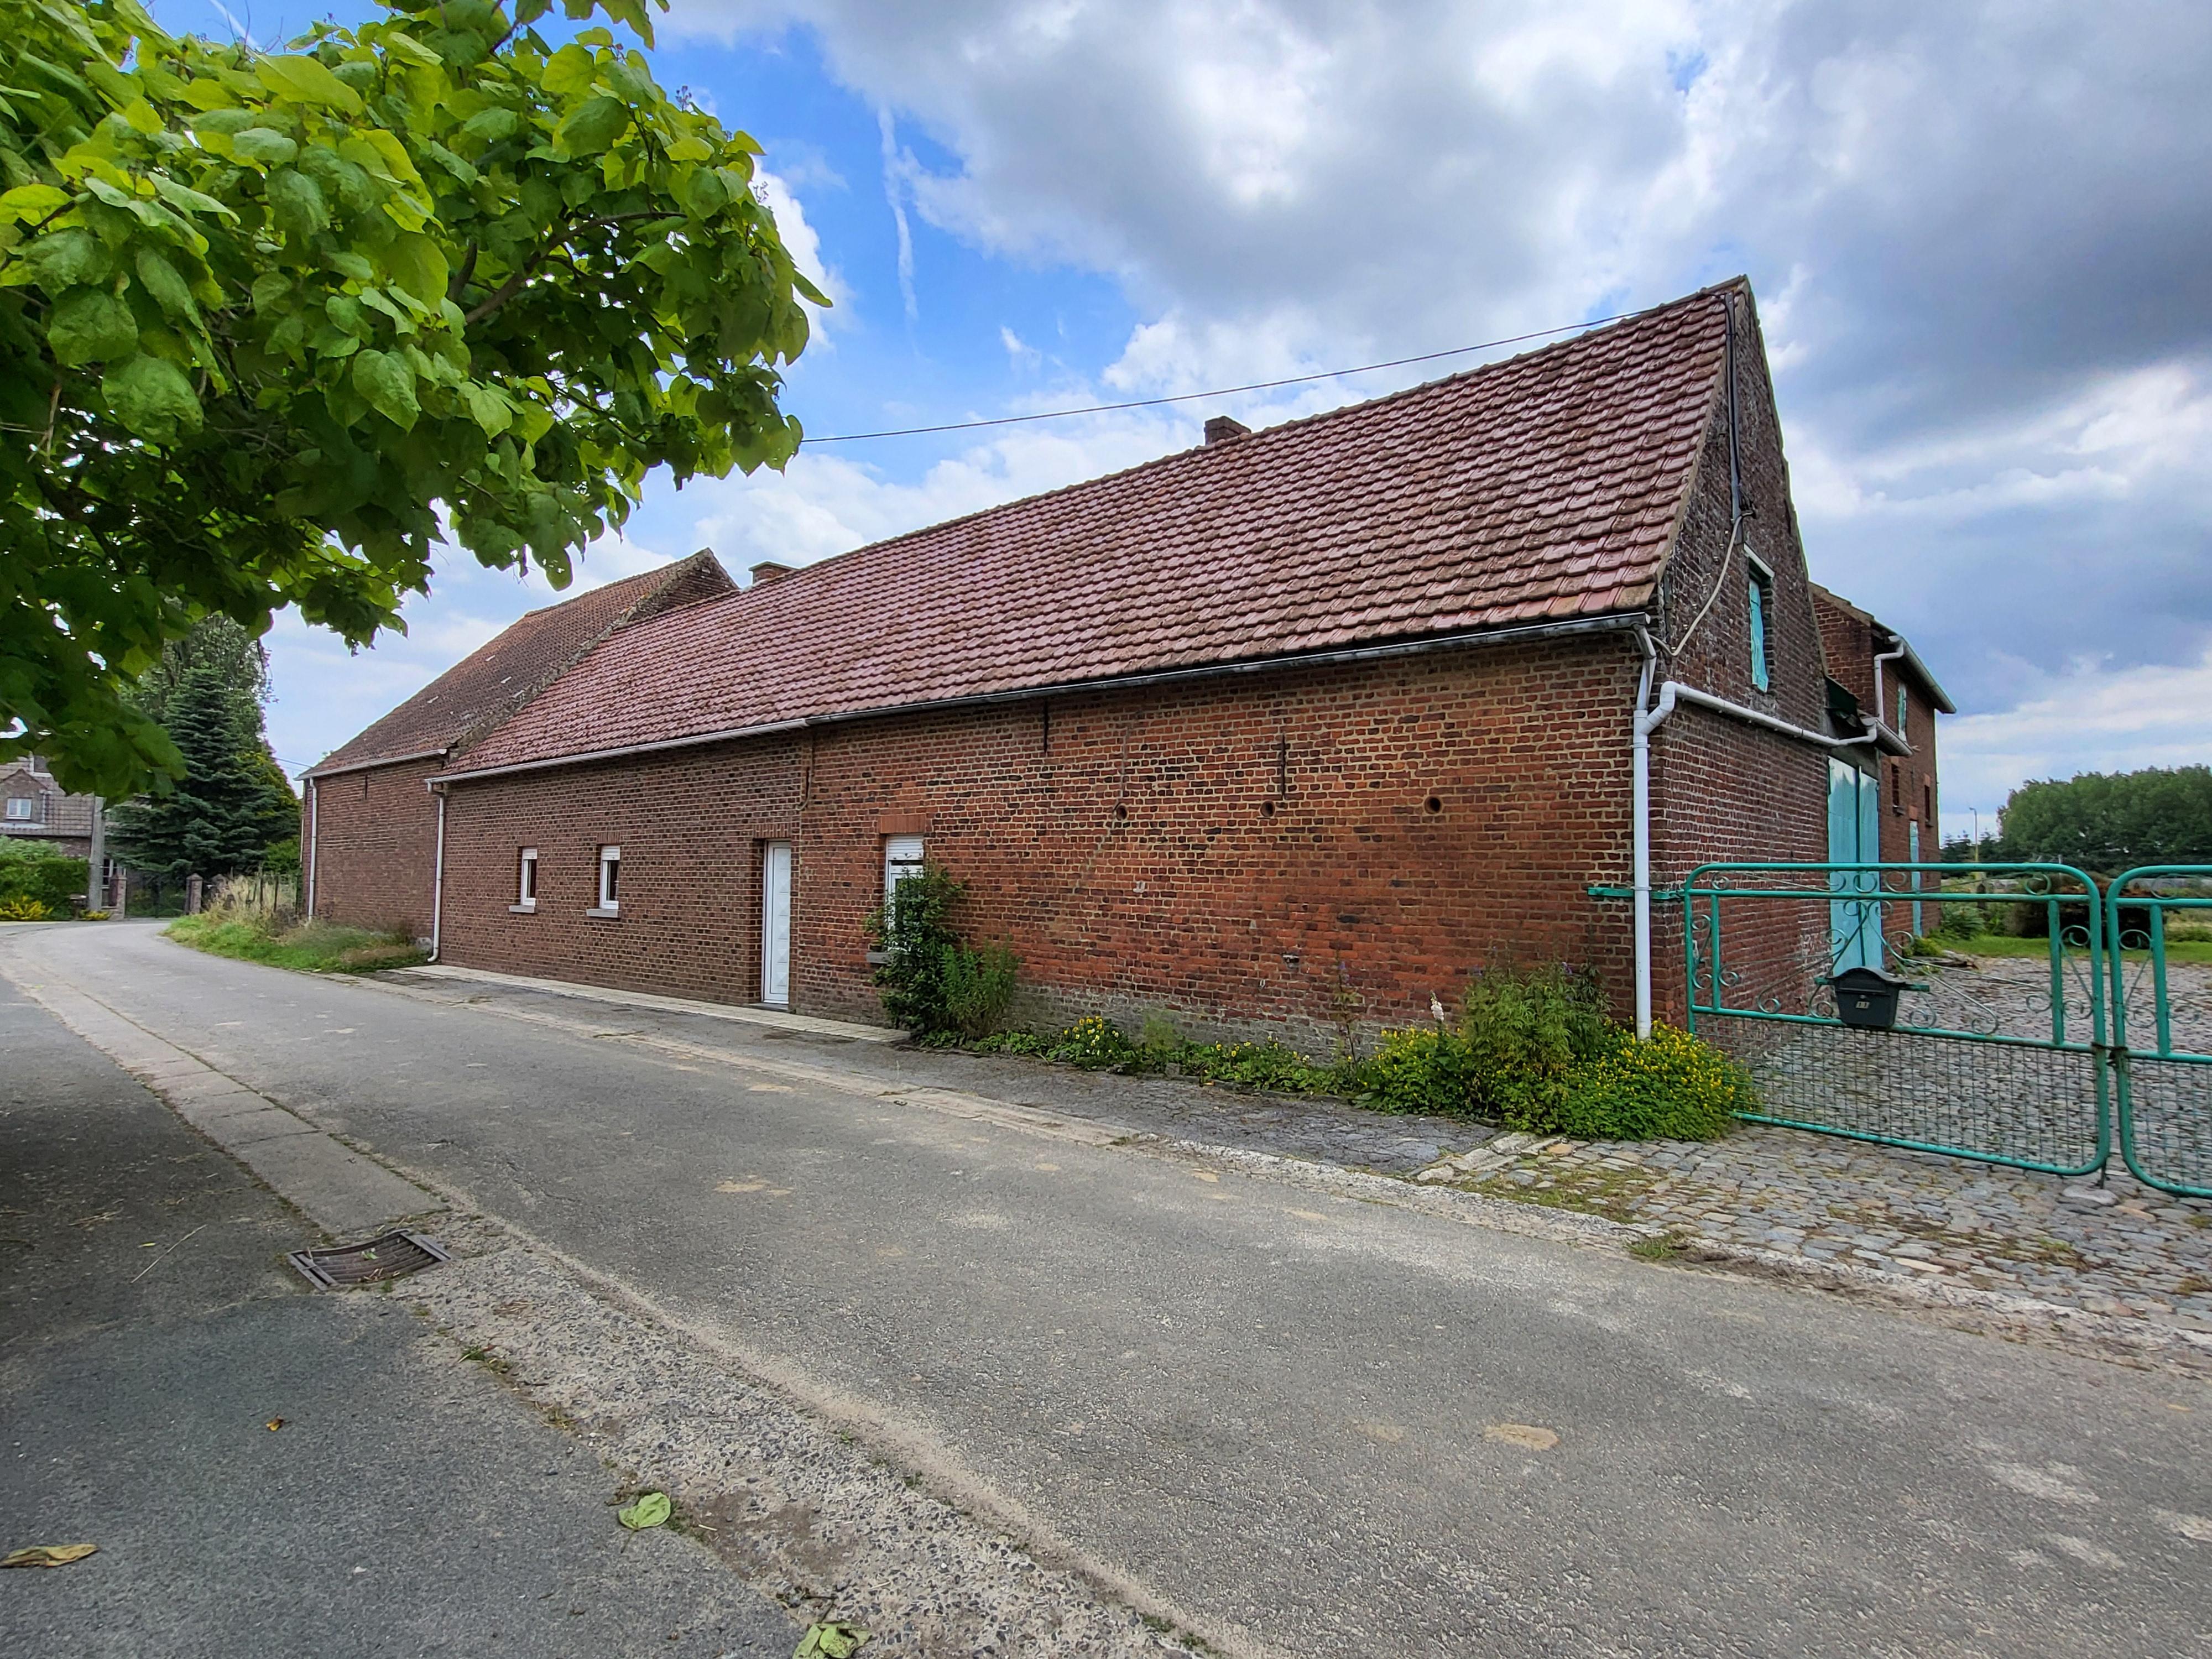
x=1511 y=633
x=371 y=765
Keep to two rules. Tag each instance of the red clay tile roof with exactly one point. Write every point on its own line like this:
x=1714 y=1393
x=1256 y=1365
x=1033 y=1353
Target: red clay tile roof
x=484 y=687
x=1544 y=486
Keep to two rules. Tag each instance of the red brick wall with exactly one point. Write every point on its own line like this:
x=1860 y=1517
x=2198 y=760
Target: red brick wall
x=376 y=841
x=1908 y=791
x=691 y=824
x=1236 y=853
x=1723 y=789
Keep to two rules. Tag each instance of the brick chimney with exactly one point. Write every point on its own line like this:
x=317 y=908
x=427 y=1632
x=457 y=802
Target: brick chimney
x=767 y=571
x=1220 y=429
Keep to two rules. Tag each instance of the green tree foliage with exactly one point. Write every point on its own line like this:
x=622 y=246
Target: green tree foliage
x=235 y=654
x=267 y=319
x=232 y=803
x=2108 y=822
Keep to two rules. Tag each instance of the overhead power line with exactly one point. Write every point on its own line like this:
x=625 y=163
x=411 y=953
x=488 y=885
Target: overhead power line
x=1225 y=391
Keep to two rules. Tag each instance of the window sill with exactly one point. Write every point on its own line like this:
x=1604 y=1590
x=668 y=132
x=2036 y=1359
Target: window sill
x=522 y=909
x=603 y=912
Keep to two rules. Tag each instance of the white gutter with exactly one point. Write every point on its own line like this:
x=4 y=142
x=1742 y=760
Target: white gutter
x=314 y=818
x=438 y=880
x=1673 y=695
x=730 y=735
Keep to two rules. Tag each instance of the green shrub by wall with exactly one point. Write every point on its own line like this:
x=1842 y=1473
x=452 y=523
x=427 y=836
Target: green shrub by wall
x=39 y=872
x=933 y=982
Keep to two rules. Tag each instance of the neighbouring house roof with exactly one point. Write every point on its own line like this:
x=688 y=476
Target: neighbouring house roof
x=1885 y=638
x=58 y=812
x=493 y=682
x=1544 y=488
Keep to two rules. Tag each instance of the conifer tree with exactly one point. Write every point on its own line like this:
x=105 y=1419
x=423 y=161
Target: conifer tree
x=232 y=803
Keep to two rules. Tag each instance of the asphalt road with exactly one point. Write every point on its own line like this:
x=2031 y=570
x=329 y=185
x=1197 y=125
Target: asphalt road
x=1301 y=1416
x=407 y=1504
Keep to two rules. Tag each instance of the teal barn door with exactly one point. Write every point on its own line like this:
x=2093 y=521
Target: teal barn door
x=1854 y=837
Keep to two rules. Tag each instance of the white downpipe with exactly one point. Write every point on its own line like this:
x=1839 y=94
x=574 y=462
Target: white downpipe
x=314 y=817
x=438 y=880
x=1649 y=719
x=1640 y=749
x=1881 y=708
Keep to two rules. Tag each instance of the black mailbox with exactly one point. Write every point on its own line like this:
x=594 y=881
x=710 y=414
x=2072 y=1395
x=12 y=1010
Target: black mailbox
x=1866 y=997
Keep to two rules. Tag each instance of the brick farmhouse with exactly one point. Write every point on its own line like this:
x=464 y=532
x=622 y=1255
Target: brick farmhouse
x=33 y=807
x=1304 y=724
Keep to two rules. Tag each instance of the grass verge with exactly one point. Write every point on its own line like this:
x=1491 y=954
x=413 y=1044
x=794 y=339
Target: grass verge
x=315 y=947
x=2001 y=944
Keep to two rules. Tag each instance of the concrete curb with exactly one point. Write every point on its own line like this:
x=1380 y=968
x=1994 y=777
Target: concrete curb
x=775 y=1019
x=339 y=1189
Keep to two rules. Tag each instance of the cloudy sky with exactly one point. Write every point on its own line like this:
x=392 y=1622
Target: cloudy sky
x=1979 y=234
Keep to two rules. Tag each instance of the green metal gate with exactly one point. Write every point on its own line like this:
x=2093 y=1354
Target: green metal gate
x=2161 y=1031
x=2003 y=1060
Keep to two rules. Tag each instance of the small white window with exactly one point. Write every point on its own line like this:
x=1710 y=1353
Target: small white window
x=902 y=859
x=21 y=809
x=525 y=881
x=609 y=879
x=1904 y=706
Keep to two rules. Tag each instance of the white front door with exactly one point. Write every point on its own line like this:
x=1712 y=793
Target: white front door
x=776 y=924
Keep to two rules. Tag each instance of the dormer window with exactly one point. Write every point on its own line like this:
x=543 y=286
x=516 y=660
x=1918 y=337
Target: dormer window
x=22 y=809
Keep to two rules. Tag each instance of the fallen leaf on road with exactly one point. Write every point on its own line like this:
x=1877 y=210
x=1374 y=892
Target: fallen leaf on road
x=274 y=1424
x=1206 y=1175
x=48 y=1555
x=741 y=1185
x=1525 y=1435
x=835 y=1639
x=1390 y=1434
x=649 y=1511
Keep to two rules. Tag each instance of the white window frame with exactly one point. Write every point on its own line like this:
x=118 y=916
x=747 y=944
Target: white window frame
x=903 y=861
x=1904 y=706
x=23 y=809
x=525 y=881
x=609 y=882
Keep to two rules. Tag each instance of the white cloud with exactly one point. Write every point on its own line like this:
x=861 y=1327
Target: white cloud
x=899 y=171
x=806 y=247
x=1023 y=357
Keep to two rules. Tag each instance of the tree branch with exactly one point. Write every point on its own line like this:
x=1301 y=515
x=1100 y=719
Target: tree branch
x=554 y=239
x=460 y=283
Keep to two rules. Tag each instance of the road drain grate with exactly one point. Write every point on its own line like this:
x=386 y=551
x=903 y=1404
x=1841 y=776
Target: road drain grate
x=392 y=1256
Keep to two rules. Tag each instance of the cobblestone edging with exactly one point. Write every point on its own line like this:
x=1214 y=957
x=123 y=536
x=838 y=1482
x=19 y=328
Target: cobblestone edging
x=1780 y=1196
